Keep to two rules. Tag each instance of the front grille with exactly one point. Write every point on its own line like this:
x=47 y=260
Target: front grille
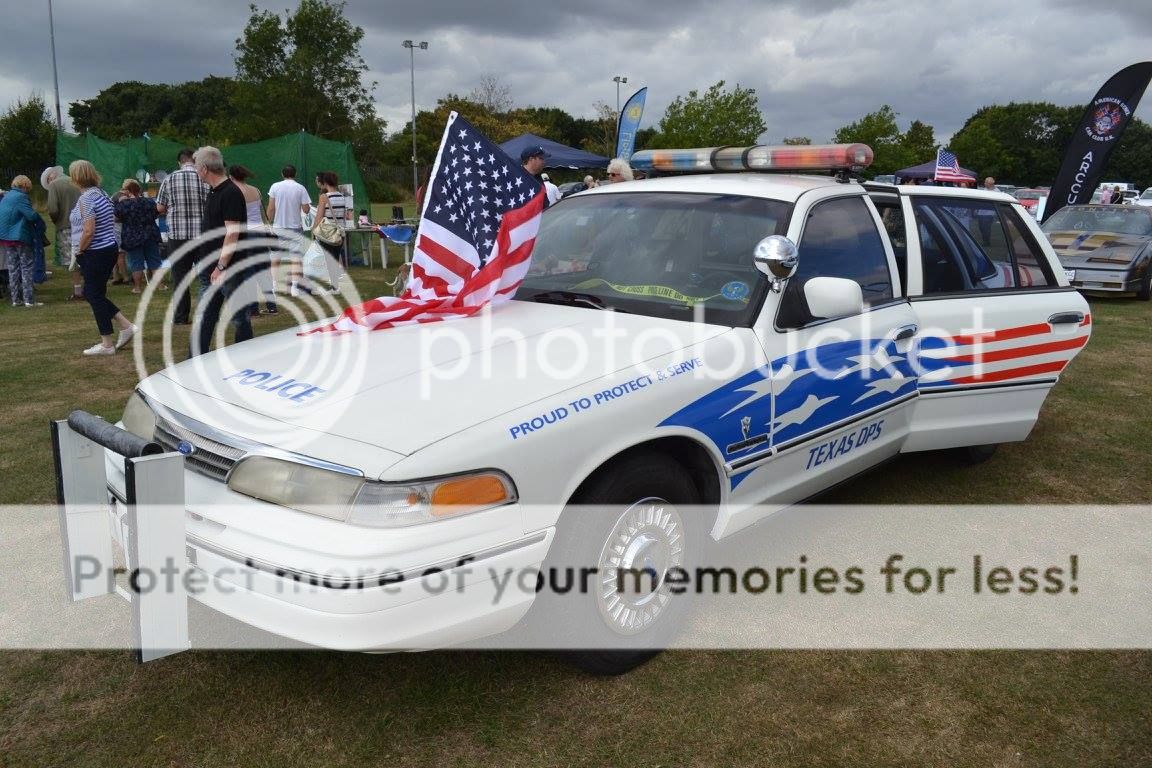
x=210 y=458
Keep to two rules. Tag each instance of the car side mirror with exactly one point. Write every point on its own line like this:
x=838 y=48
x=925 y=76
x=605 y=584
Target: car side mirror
x=831 y=297
x=777 y=257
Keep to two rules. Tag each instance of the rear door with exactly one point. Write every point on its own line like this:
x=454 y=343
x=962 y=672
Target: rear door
x=997 y=320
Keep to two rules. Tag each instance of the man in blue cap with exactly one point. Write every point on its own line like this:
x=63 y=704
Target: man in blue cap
x=532 y=158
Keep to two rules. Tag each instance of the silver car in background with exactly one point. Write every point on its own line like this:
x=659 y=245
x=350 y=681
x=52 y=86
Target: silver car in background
x=1104 y=247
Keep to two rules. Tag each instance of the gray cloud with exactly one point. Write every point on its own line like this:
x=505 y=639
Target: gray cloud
x=816 y=66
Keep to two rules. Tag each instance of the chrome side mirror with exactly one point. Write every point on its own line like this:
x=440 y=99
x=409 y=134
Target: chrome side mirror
x=777 y=257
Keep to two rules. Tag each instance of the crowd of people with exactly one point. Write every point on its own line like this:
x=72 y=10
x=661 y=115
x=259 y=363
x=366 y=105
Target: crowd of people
x=194 y=231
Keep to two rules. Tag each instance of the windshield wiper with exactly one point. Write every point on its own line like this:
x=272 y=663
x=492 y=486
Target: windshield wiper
x=572 y=298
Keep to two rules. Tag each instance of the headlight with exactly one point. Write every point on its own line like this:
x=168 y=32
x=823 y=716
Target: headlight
x=138 y=418
x=351 y=498
x=391 y=505
x=299 y=486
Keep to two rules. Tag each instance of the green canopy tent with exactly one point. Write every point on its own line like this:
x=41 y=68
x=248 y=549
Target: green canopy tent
x=119 y=160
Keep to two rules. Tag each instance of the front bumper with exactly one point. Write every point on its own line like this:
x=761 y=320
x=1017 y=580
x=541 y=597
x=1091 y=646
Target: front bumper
x=375 y=606
x=1105 y=280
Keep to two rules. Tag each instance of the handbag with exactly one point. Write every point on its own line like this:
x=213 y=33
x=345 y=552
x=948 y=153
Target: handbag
x=329 y=233
x=315 y=264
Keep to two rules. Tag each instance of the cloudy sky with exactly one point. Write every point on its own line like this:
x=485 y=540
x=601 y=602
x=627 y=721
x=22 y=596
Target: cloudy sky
x=816 y=65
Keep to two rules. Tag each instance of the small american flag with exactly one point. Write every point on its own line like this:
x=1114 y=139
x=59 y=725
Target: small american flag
x=477 y=229
x=948 y=169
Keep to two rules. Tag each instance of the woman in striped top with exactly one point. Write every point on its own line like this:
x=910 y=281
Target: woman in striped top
x=331 y=206
x=94 y=243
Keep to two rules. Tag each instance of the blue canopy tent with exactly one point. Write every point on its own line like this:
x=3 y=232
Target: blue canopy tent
x=559 y=155
x=926 y=171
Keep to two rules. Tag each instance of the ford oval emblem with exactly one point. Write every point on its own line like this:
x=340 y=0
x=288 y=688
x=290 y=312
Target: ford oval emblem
x=186 y=448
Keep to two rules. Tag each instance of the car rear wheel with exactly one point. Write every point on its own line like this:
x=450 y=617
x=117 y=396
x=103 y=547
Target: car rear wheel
x=632 y=523
x=976 y=454
x=1145 y=291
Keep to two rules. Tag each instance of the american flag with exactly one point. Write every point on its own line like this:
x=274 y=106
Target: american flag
x=479 y=223
x=948 y=169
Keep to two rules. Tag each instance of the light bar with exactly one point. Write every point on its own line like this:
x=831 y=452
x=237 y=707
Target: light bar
x=783 y=158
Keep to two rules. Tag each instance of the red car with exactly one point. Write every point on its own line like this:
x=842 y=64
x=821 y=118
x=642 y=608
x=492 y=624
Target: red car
x=1030 y=198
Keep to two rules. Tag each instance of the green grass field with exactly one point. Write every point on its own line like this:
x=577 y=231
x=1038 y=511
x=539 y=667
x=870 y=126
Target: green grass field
x=809 y=708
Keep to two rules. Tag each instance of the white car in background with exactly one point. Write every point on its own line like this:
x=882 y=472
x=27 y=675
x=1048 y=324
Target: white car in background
x=1145 y=197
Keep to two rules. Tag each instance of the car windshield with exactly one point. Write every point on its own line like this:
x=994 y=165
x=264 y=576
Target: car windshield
x=655 y=253
x=1146 y=194
x=1028 y=194
x=1125 y=220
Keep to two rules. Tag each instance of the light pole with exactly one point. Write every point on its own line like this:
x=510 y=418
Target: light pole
x=55 y=79
x=618 y=79
x=411 y=46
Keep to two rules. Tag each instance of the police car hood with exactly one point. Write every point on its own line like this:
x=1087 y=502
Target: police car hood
x=404 y=388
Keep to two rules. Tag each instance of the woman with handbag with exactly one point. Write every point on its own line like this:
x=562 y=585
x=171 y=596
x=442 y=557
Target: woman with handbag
x=328 y=229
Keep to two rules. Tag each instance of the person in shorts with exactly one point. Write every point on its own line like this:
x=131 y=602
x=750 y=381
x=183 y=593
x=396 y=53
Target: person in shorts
x=288 y=201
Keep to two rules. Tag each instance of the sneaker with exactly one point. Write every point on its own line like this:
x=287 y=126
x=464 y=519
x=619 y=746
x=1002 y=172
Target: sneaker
x=75 y=297
x=125 y=337
x=100 y=349
x=33 y=303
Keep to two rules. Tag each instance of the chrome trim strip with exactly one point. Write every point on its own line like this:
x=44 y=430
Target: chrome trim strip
x=248 y=447
x=952 y=389
x=350 y=582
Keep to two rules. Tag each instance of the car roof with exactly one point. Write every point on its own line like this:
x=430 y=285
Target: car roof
x=775 y=186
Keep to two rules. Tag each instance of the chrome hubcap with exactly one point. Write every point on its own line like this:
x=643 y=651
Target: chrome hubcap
x=644 y=543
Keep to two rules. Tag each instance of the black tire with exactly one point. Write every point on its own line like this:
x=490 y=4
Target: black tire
x=612 y=507
x=1144 y=293
x=976 y=454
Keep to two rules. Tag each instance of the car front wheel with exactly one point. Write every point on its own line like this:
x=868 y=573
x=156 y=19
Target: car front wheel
x=1144 y=293
x=632 y=524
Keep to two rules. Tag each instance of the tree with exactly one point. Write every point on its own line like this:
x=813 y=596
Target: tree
x=492 y=94
x=878 y=130
x=195 y=112
x=717 y=118
x=1020 y=142
x=302 y=72
x=918 y=144
x=601 y=135
x=27 y=138
x=797 y=141
x=305 y=72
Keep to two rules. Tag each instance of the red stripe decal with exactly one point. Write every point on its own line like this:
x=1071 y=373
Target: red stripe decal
x=1002 y=335
x=1015 y=352
x=1013 y=373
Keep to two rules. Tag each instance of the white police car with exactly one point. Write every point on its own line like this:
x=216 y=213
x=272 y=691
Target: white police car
x=728 y=340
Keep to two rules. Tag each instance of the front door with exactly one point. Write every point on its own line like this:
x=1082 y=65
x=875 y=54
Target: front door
x=841 y=388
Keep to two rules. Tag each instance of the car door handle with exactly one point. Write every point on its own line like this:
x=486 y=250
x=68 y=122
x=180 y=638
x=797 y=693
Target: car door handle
x=1061 y=318
x=906 y=332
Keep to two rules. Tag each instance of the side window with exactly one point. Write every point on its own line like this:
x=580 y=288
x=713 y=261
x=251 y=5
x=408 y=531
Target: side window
x=973 y=245
x=892 y=215
x=840 y=239
x=1032 y=267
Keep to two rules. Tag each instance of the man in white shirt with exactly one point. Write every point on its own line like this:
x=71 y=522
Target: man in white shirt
x=288 y=200
x=552 y=190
